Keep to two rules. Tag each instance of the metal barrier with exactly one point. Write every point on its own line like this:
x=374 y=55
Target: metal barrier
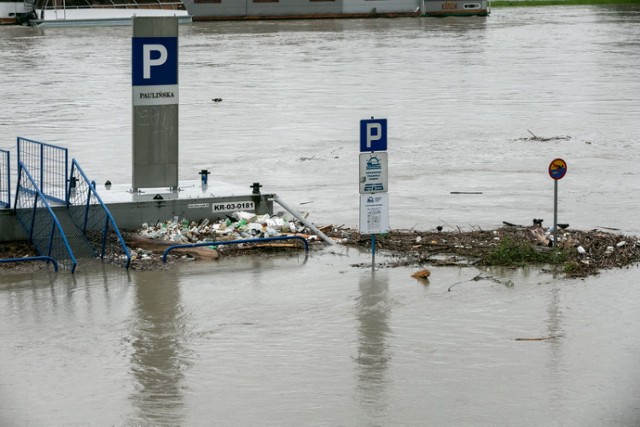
x=5 y=179
x=93 y=218
x=32 y=258
x=48 y=165
x=39 y=221
x=232 y=242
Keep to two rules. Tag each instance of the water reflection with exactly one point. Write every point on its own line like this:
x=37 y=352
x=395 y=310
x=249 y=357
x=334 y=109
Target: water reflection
x=159 y=357
x=555 y=333
x=373 y=311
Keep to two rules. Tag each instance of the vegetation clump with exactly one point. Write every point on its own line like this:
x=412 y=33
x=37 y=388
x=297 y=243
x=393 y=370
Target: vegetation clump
x=518 y=253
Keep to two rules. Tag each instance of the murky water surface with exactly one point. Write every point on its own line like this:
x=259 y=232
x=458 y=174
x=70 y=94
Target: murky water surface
x=292 y=340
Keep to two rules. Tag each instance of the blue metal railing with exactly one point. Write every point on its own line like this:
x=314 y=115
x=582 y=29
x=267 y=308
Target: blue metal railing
x=39 y=221
x=48 y=165
x=93 y=218
x=5 y=179
x=48 y=259
x=233 y=242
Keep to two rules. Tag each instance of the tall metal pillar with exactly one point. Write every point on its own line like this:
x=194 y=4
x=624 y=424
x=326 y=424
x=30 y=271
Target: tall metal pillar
x=155 y=102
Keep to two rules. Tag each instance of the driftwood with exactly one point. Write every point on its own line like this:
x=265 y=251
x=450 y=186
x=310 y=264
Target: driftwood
x=535 y=137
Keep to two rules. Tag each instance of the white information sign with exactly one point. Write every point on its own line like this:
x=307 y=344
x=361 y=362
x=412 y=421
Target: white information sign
x=374 y=172
x=374 y=213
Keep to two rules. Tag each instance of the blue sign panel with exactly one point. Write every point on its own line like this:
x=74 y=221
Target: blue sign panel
x=373 y=135
x=155 y=61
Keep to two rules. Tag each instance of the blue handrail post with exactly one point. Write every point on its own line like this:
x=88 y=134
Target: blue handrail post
x=41 y=184
x=67 y=193
x=53 y=233
x=64 y=177
x=86 y=210
x=33 y=216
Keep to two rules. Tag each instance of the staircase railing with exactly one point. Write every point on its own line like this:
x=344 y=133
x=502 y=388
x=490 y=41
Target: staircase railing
x=39 y=221
x=5 y=179
x=48 y=165
x=93 y=218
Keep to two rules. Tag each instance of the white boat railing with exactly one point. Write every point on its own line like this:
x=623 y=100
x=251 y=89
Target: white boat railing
x=86 y=4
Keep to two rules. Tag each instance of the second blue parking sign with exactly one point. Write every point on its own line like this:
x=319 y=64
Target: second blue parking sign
x=373 y=135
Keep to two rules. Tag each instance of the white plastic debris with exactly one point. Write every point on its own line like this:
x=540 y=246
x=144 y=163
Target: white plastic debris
x=581 y=250
x=621 y=244
x=237 y=226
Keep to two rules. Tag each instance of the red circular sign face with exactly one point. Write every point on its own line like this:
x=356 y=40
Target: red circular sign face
x=558 y=169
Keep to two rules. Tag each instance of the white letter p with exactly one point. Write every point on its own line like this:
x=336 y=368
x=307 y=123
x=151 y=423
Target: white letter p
x=147 y=62
x=374 y=133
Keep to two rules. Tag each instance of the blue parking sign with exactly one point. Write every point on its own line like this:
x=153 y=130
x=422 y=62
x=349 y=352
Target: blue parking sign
x=373 y=135
x=154 y=61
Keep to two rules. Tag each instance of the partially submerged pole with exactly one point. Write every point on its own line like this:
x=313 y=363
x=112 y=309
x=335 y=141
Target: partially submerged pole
x=300 y=218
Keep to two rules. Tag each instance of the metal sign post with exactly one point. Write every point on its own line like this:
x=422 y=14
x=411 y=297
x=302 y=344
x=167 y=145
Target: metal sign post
x=557 y=171
x=373 y=182
x=155 y=94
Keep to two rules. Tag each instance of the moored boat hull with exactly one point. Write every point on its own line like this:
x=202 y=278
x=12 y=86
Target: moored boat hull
x=214 y=10
x=11 y=11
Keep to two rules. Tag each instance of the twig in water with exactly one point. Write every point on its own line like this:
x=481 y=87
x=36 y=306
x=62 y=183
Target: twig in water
x=508 y=283
x=551 y=337
x=473 y=279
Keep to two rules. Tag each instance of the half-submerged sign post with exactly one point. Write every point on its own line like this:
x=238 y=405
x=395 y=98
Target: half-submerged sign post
x=374 y=180
x=154 y=78
x=557 y=171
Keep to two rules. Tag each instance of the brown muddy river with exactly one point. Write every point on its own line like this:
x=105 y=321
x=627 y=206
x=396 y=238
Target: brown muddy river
x=289 y=340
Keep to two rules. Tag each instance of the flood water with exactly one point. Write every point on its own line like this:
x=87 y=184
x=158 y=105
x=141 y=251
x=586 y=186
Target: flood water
x=289 y=340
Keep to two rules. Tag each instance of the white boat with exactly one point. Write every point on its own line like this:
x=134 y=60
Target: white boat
x=11 y=11
x=65 y=13
x=212 y=10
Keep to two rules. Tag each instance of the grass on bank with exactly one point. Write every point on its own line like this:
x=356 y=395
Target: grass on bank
x=535 y=3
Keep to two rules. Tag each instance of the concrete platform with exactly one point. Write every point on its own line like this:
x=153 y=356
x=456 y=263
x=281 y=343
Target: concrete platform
x=191 y=200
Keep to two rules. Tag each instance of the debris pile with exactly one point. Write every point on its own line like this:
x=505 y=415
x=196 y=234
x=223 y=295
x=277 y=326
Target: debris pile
x=238 y=226
x=149 y=242
x=583 y=253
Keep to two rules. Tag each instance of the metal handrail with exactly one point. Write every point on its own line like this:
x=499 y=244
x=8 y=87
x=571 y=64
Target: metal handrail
x=55 y=223
x=109 y=218
x=32 y=258
x=23 y=143
x=231 y=242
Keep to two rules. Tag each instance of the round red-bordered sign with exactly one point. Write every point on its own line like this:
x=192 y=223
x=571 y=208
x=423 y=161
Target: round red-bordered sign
x=557 y=169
